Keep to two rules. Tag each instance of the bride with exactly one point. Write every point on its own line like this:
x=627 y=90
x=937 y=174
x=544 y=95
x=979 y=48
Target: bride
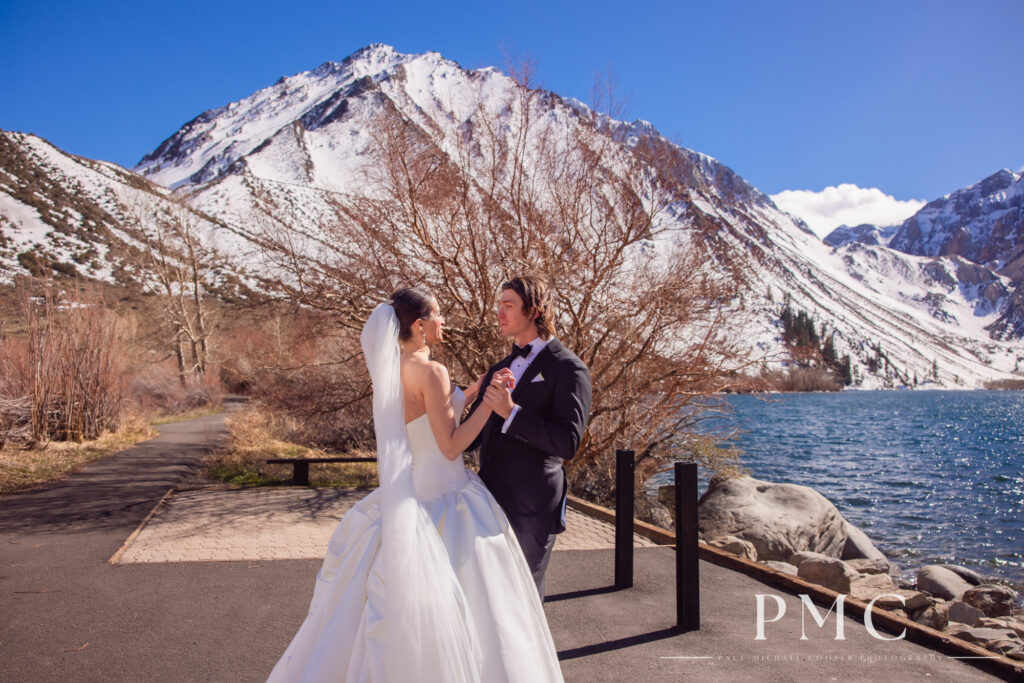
x=423 y=579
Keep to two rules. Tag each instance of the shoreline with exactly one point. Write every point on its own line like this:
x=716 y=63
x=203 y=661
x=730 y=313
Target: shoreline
x=907 y=566
x=933 y=475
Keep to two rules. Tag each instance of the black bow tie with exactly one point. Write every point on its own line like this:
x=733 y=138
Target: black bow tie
x=521 y=351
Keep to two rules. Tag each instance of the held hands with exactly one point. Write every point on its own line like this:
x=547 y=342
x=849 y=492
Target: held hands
x=498 y=396
x=503 y=376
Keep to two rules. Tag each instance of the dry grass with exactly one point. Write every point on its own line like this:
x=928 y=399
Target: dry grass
x=26 y=468
x=257 y=434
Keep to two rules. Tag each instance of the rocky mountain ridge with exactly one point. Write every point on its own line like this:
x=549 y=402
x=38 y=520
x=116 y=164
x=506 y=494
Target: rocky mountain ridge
x=980 y=228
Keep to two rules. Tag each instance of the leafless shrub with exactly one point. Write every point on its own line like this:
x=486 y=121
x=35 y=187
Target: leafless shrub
x=799 y=379
x=647 y=305
x=301 y=365
x=156 y=389
x=67 y=370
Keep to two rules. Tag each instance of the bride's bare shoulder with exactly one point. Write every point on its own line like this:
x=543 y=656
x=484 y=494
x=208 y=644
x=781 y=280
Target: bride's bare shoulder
x=424 y=372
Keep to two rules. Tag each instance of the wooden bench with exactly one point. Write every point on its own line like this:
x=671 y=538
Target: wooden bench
x=300 y=466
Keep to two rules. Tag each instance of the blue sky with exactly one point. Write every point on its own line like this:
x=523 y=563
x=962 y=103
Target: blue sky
x=915 y=98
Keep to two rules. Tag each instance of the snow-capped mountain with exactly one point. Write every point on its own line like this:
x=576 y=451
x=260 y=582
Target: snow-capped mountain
x=983 y=223
x=208 y=146
x=308 y=137
x=65 y=215
x=976 y=237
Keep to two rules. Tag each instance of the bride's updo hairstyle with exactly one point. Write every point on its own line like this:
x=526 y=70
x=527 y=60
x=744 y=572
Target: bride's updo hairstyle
x=410 y=304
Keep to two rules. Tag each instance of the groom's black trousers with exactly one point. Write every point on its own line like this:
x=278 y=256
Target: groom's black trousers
x=537 y=550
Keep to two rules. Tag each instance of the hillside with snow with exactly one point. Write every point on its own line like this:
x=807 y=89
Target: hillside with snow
x=67 y=216
x=976 y=237
x=61 y=213
x=904 y=319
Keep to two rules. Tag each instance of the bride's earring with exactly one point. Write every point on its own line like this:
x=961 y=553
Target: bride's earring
x=424 y=333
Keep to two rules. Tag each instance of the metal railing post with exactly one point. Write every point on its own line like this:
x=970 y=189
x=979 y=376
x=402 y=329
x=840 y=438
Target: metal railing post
x=624 y=513
x=687 y=566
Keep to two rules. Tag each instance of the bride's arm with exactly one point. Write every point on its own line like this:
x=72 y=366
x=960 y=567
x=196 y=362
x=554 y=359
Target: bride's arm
x=437 y=396
x=473 y=389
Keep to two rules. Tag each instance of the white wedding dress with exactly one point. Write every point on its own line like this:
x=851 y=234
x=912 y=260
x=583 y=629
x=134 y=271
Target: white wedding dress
x=345 y=635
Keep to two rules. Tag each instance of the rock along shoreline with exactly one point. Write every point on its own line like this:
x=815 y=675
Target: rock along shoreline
x=795 y=530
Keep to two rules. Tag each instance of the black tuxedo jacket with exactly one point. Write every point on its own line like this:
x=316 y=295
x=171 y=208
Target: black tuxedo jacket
x=523 y=467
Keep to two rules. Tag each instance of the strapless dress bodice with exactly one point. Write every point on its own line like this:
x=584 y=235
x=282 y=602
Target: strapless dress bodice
x=433 y=474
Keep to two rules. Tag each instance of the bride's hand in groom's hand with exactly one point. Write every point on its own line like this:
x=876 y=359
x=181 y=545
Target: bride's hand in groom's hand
x=499 y=399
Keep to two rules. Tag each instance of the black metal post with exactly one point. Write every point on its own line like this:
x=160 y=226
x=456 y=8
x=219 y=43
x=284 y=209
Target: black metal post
x=624 y=481
x=687 y=567
x=301 y=475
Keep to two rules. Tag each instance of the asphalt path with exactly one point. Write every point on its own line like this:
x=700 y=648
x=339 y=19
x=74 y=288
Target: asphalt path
x=66 y=614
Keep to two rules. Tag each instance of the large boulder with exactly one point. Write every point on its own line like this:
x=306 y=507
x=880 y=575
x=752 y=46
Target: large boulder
x=992 y=599
x=987 y=636
x=778 y=519
x=784 y=567
x=1012 y=624
x=941 y=582
x=900 y=598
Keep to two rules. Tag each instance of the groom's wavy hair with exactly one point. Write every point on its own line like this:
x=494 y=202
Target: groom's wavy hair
x=410 y=304
x=536 y=302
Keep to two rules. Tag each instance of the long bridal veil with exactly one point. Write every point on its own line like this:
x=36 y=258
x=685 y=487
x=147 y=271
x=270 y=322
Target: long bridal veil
x=429 y=625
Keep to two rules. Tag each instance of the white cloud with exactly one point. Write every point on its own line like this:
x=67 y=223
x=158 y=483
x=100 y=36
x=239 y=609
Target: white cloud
x=845 y=205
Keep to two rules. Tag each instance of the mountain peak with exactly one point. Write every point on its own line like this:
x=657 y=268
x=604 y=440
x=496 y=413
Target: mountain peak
x=998 y=181
x=983 y=222
x=865 y=233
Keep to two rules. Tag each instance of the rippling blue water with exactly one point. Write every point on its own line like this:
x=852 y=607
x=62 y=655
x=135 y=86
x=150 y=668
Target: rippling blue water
x=930 y=476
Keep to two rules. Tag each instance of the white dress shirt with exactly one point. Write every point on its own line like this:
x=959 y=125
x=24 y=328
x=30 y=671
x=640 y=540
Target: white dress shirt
x=518 y=368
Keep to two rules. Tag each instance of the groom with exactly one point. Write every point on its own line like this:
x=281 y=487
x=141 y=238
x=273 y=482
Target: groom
x=536 y=426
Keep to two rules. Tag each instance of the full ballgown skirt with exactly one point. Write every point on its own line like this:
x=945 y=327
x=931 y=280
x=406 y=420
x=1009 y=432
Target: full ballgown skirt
x=345 y=634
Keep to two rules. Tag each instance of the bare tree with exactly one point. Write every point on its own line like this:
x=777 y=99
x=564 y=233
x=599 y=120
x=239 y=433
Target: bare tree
x=175 y=262
x=533 y=184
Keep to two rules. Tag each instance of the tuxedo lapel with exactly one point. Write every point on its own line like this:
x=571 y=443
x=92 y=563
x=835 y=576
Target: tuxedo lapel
x=544 y=360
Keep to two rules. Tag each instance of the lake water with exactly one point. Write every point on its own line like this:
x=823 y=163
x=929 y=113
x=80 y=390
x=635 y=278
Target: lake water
x=930 y=476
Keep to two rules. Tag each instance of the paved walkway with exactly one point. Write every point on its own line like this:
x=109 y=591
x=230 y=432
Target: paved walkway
x=67 y=614
x=282 y=523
